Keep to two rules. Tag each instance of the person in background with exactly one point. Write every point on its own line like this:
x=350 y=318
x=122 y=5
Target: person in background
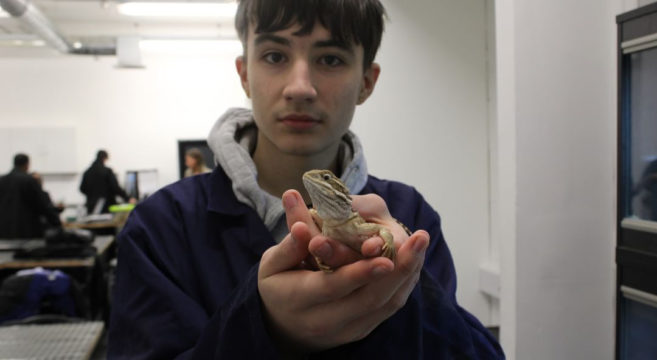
x=195 y=163
x=99 y=184
x=23 y=204
x=59 y=206
x=220 y=265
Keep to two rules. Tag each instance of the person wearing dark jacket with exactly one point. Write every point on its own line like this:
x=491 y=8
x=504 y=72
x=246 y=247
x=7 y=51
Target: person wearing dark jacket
x=99 y=184
x=221 y=265
x=23 y=204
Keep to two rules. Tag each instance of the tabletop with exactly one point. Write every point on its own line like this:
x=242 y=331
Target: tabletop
x=7 y=261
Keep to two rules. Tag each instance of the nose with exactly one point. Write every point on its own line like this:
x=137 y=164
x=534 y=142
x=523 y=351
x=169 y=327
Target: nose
x=299 y=86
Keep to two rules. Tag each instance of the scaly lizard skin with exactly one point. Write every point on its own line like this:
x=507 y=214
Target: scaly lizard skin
x=333 y=214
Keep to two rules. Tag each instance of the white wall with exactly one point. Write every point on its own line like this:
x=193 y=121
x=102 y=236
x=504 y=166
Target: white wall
x=557 y=87
x=425 y=125
x=138 y=115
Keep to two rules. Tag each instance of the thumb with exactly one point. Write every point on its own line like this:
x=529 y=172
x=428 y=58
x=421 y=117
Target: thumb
x=296 y=210
x=288 y=254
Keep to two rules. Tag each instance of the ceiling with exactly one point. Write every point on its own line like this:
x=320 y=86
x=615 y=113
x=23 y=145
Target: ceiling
x=98 y=24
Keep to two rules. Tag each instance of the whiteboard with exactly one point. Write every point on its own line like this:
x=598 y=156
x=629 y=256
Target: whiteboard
x=51 y=149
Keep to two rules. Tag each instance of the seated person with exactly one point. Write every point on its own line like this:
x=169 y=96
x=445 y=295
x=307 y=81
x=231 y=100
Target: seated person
x=25 y=212
x=195 y=163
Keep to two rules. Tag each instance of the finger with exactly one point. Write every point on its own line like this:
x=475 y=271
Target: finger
x=372 y=247
x=363 y=326
x=288 y=254
x=296 y=210
x=417 y=243
x=377 y=294
x=371 y=207
x=332 y=252
x=325 y=288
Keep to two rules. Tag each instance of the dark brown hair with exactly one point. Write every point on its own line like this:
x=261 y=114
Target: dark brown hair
x=21 y=160
x=358 y=22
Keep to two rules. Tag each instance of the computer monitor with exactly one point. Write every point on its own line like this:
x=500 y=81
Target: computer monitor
x=132 y=184
x=140 y=184
x=147 y=183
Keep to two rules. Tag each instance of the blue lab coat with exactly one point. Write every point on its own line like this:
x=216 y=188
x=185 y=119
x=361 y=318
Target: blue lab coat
x=186 y=283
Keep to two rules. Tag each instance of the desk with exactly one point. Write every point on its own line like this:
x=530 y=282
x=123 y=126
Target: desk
x=92 y=272
x=7 y=261
x=50 y=341
x=114 y=225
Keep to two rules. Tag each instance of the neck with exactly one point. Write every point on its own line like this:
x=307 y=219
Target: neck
x=278 y=171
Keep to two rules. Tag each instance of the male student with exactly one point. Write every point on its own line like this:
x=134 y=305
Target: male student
x=217 y=265
x=25 y=209
x=99 y=184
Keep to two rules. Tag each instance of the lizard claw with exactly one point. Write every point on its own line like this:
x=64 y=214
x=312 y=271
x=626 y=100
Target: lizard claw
x=388 y=250
x=325 y=268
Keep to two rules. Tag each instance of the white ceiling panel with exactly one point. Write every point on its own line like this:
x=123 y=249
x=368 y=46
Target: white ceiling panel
x=95 y=23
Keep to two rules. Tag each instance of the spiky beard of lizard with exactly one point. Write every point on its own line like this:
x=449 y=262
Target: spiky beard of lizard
x=329 y=195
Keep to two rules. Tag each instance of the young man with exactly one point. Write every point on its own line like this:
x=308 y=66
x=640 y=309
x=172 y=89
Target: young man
x=214 y=266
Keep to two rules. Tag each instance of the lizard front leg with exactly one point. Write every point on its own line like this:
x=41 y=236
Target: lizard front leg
x=388 y=248
x=388 y=243
x=367 y=230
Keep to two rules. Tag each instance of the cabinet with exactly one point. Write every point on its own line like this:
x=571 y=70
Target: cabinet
x=636 y=248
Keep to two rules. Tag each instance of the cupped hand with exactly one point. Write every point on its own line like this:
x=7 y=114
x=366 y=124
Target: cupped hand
x=312 y=310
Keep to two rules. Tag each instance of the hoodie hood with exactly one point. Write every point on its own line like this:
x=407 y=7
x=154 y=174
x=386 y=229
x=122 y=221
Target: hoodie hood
x=233 y=139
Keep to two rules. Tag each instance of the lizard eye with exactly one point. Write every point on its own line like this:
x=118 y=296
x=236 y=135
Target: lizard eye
x=327 y=177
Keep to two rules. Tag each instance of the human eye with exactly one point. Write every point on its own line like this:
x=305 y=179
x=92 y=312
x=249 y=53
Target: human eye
x=273 y=57
x=331 y=60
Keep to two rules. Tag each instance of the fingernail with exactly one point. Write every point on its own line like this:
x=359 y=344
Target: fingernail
x=290 y=201
x=292 y=240
x=379 y=271
x=324 y=251
x=419 y=245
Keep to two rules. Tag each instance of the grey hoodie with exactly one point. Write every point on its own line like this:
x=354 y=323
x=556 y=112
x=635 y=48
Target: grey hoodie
x=233 y=139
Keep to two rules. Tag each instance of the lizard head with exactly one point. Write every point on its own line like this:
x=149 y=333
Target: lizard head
x=329 y=195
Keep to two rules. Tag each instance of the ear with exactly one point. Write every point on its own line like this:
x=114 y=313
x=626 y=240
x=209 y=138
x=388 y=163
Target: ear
x=370 y=76
x=240 y=65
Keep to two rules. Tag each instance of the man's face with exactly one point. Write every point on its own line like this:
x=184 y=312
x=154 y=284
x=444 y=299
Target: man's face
x=304 y=89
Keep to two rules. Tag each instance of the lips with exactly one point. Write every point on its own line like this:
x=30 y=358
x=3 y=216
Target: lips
x=299 y=121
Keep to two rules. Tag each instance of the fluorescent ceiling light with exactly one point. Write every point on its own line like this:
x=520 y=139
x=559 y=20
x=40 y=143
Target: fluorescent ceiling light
x=181 y=9
x=21 y=42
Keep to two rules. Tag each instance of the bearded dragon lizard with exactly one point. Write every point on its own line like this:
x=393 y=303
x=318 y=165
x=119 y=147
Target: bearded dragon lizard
x=333 y=214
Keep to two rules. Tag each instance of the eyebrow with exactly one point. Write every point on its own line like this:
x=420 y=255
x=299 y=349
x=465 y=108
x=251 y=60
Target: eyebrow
x=334 y=43
x=263 y=38
x=268 y=37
